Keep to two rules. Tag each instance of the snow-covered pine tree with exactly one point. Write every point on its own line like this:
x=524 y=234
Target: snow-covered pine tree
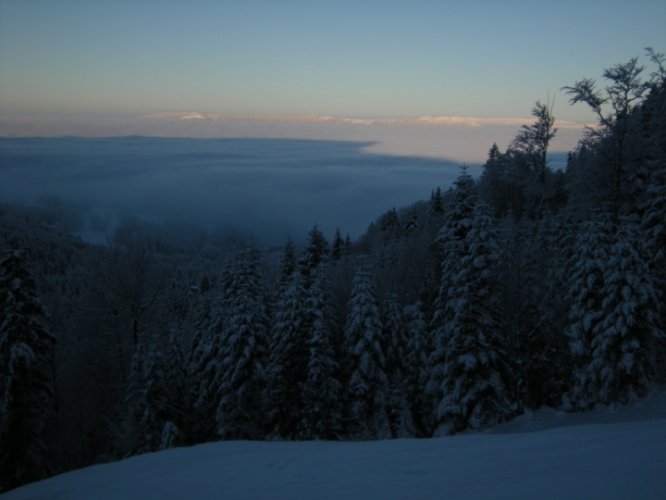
x=322 y=391
x=410 y=222
x=287 y=365
x=208 y=359
x=288 y=264
x=586 y=311
x=27 y=396
x=348 y=245
x=149 y=403
x=133 y=404
x=389 y=225
x=241 y=409
x=395 y=348
x=416 y=367
x=316 y=252
x=541 y=347
x=140 y=427
x=194 y=343
x=518 y=290
x=622 y=359
x=460 y=203
x=474 y=392
x=436 y=206
x=175 y=383
x=338 y=246
x=653 y=226
x=204 y=371
x=367 y=395
x=451 y=242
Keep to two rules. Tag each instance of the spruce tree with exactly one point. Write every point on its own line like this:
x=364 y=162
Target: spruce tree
x=27 y=394
x=653 y=226
x=416 y=367
x=395 y=342
x=175 y=390
x=451 y=243
x=411 y=221
x=461 y=201
x=154 y=398
x=287 y=368
x=146 y=401
x=586 y=310
x=473 y=391
x=436 y=203
x=288 y=265
x=368 y=386
x=338 y=247
x=389 y=225
x=538 y=350
x=494 y=182
x=316 y=252
x=241 y=409
x=322 y=391
x=622 y=348
x=204 y=370
x=134 y=404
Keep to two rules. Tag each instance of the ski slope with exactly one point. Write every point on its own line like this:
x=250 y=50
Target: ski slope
x=608 y=454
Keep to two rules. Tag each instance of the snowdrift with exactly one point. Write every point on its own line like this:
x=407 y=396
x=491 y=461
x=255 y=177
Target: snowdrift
x=608 y=453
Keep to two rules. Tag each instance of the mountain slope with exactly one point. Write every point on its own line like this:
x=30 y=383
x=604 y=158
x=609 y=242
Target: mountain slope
x=603 y=454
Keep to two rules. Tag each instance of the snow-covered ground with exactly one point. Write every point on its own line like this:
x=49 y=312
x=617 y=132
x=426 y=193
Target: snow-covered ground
x=608 y=453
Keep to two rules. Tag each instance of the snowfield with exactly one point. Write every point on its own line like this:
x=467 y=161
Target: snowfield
x=604 y=454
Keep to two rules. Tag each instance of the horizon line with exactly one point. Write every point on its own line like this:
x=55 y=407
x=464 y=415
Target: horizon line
x=452 y=121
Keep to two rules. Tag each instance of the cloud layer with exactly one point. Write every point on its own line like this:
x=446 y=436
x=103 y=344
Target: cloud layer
x=423 y=121
x=268 y=188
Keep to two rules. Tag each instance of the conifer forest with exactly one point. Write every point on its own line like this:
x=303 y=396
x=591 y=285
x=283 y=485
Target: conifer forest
x=524 y=287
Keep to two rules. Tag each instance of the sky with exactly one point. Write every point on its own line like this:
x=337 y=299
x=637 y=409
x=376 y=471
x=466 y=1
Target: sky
x=385 y=71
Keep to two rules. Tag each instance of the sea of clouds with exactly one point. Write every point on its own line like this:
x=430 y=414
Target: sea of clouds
x=269 y=188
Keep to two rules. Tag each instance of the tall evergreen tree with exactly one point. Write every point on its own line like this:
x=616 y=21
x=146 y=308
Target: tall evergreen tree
x=473 y=391
x=622 y=347
x=368 y=385
x=241 y=409
x=410 y=222
x=495 y=183
x=288 y=265
x=395 y=341
x=175 y=372
x=586 y=296
x=204 y=369
x=539 y=352
x=338 y=247
x=389 y=224
x=287 y=368
x=27 y=397
x=416 y=367
x=322 y=392
x=451 y=240
x=147 y=401
x=154 y=400
x=653 y=226
x=316 y=252
x=436 y=202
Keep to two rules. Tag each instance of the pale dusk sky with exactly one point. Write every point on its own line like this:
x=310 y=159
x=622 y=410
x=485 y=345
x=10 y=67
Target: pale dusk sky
x=440 y=78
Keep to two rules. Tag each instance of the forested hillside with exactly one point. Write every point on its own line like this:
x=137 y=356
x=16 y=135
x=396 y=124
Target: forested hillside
x=526 y=287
